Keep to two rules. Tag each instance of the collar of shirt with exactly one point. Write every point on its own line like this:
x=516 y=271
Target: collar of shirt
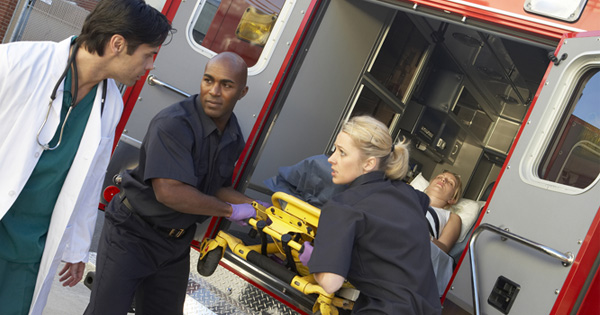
x=209 y=125
x=375 y=176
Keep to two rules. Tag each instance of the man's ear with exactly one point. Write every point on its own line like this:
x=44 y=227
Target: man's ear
x=117 y=44
x=243 y=93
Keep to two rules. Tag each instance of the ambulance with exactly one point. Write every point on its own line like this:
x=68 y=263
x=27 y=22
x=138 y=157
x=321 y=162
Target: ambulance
x=505 y=93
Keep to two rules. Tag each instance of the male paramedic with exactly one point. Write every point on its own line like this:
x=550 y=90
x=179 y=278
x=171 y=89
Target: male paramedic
x=184 y=176
x=59 y=106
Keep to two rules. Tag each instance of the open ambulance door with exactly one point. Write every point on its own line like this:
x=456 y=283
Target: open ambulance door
x=536 y=248
x=268 y=34
x=265 y=33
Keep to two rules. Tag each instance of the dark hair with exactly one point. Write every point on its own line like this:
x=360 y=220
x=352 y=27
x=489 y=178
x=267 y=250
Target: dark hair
x=136 y=21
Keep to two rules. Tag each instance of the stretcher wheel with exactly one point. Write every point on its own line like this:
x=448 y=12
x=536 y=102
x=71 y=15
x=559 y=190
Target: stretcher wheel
x=89 y=279
x=208 y=264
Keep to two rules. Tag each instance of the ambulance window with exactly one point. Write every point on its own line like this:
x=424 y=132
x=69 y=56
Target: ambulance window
x=573 y=157
x=243 y=27
x=564 y=10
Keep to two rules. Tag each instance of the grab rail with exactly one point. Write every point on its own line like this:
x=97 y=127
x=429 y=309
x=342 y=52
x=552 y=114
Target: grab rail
x=566 y=258
x=153 y=80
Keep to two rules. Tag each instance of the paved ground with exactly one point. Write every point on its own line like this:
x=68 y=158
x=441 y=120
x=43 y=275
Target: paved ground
x=73 y=301
x=68 y=301
x=224 y=293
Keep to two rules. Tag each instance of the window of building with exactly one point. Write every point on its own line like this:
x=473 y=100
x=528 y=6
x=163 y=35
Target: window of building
x=573 y=156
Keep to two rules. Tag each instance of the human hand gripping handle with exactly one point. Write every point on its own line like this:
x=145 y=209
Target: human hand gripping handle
x=241 y=212
x=305 y=253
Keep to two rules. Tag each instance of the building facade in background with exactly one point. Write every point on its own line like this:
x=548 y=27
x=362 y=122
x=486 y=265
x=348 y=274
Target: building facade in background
x=42 y=19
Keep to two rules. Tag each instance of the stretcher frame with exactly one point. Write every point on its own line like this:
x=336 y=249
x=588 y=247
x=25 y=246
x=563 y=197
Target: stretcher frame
x=289 y=226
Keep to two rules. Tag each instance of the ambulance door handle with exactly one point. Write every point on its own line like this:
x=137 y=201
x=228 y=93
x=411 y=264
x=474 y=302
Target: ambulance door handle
x=153 y=80
x=566 y=258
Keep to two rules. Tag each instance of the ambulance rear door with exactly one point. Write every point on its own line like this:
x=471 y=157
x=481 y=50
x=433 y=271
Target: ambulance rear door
x=264 y=32
x=538 y=239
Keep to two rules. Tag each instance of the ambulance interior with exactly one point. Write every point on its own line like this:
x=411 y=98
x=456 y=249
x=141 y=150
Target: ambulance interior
x=458 y=93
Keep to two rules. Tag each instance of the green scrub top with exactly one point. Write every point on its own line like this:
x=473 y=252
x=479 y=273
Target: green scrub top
x=24 y=228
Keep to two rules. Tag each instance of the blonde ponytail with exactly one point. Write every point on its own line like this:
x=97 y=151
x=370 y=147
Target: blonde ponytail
x=373 y=139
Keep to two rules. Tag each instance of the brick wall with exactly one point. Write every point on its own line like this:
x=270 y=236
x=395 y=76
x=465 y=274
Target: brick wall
x=7 y=8
x=87 y=4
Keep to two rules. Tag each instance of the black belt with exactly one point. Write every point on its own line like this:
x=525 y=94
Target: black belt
x=168 y=232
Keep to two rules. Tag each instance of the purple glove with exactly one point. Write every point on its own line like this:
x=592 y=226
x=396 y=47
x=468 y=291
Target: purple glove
x=305 y=253
x=241 y=212
x=264 y=204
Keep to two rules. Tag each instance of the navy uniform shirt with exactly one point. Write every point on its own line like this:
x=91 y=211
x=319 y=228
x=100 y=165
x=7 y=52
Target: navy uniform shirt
x=183 y=144
x=375 y=235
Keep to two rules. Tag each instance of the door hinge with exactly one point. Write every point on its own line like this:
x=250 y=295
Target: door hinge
x=555 y=59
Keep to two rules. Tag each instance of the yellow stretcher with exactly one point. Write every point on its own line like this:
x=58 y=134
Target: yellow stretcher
x=289 y=227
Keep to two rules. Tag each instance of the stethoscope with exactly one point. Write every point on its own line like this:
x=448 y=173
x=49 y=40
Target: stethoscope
x=73 y=100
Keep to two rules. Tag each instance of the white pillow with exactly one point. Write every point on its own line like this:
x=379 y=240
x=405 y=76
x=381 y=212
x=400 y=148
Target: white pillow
x=467 y=210
x=419 y=182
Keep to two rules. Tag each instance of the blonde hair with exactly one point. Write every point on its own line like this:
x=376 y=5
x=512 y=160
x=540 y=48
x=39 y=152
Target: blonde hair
x=458 y=189
x=373 y=139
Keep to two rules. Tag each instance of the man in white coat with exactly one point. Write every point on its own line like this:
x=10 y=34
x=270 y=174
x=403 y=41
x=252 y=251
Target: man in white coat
x=59 y=106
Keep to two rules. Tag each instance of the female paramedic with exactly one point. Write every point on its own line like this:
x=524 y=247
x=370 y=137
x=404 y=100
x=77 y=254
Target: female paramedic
x=374 y=234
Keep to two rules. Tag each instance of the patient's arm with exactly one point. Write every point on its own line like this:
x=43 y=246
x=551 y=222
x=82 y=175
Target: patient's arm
x=330 y=282
x=449 y=234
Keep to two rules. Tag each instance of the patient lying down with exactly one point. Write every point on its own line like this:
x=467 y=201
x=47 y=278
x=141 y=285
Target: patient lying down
x=444 y=191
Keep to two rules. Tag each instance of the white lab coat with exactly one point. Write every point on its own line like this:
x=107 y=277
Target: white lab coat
x=28 y=73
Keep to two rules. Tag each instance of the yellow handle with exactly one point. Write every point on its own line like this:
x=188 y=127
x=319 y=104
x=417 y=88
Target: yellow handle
x=291 y=200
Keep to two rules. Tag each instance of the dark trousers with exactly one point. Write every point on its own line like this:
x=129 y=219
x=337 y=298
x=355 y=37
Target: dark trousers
x=135 y=260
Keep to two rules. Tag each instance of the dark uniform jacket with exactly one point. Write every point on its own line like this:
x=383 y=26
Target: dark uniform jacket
x=375 y=235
